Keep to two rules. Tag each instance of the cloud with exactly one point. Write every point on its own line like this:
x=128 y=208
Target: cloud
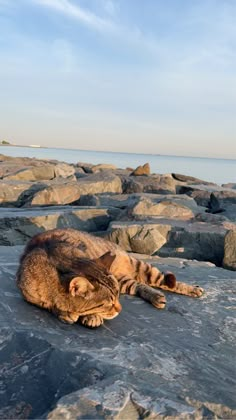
x=78 y=13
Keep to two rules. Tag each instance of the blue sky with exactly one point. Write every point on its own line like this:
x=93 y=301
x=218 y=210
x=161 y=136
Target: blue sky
x=153 y=76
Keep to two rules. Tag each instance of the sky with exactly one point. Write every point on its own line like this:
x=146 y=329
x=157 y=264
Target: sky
x=143 y=76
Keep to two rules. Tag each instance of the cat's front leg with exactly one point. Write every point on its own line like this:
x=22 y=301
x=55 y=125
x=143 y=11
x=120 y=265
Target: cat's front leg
x=132 y=287
x=67 y=317
x=91 y=321
x=151 y=295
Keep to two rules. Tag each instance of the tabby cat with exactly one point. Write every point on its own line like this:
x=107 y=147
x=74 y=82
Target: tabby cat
x=79 y=276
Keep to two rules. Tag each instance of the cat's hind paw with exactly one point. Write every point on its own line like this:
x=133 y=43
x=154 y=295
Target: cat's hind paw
x=197 y=291
x=91 y=321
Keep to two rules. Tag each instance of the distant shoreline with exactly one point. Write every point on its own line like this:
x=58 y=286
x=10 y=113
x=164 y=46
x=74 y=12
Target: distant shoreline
x=22 y=145
x=109 y=151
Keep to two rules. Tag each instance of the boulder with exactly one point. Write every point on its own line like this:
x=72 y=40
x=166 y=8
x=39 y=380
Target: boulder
x=99 y=183
x=159 y=184
x=190 y=179
x=121 y=201
x=202 y=194
x=231 y=185
x=12 y=191
x=64 y=170
x=9 y=168
x=230 y=250
x=146 y=363
x=103 y=167
x=182 y=238
x=144 y=204
x=165 y=208
x=37 y=173
x=141 y=170
x=55 y=194
x=18 y=225
x=140 y=237
x=79 y=173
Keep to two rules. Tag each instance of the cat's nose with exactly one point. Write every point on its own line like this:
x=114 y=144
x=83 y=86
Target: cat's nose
x=118 y=306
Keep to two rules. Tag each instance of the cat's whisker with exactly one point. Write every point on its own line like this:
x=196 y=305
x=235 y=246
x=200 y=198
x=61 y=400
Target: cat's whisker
x=113 y=333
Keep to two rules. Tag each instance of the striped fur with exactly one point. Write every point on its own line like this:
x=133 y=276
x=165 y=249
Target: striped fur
x=54 y=258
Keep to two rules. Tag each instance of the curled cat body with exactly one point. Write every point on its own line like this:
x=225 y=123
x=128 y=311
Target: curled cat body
x=79 y=276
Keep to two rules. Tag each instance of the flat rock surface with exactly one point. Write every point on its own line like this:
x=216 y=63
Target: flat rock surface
x=173 y=363
x=18 y=225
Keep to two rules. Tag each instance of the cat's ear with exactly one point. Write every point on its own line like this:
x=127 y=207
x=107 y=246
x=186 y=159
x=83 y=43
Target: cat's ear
x=80 y=286
x=106 y=260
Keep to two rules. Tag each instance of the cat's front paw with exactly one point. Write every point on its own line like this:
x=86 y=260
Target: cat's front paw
x=68 y=317
x=159 y=301
x=197 y=291
x=91 y=321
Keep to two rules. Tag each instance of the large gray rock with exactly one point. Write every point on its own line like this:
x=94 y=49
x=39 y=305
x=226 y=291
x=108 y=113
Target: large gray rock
x=146 y=363
x=143 y=238
x=202 y=194
x=143 y=205
x=186 y=239
x=103 y=167
x=54 y=194
x=159 y=184
x=64 y=170
x=231 y=185
x=99 y=183
x=17 y=226
x=11 y=191
x=230 y=250
x=190 y=179
x=37 y=173
x=163 y=208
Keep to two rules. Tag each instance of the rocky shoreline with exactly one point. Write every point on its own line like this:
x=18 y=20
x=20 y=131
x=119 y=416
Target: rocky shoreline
x=176 y=363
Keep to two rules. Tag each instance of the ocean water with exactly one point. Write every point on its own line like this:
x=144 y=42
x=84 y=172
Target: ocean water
x=219 y=171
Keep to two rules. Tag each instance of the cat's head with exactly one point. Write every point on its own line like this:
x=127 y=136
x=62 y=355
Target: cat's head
x=94 y=290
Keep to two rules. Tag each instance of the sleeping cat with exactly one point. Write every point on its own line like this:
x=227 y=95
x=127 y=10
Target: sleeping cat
x=79 y=276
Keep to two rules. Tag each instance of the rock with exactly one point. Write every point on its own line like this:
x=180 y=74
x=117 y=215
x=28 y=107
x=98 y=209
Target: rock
x=190 y=179
x=141 y=170
x=99 y=183
x=121 y=201
x=87 y=167
x=143 y=238
x=184 y=239
x=146 y=363
x=64 y=170
x=18 y=225
x=38 y=173
x=89 y=200
x=231 y=185
x=165 y=208
x=9 y=168
x=144 y=204
x=202 y=194
x=148 y=241
x=57 y=194
x=214 y=205
x=210 y=218
x=79 y=173
x=229 y=261
x=11 y=191
x=103 y=167
x=159 y=184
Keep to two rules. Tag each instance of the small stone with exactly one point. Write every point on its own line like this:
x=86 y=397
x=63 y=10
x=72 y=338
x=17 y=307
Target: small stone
x=141 y=170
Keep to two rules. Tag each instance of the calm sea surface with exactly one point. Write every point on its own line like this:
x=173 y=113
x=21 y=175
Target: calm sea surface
x=219 y=171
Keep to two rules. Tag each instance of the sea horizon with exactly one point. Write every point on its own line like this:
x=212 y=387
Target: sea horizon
x=217 y=170
x=116 y=152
